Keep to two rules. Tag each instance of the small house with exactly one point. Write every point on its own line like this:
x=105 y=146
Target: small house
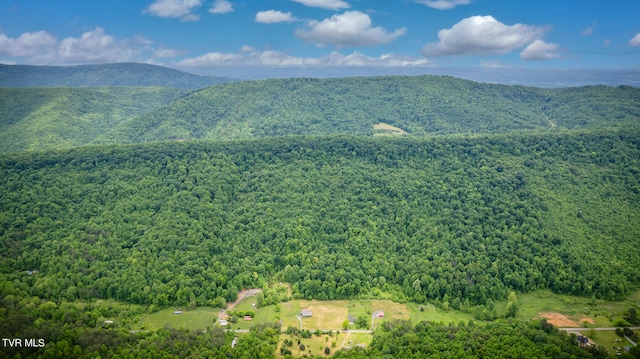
x=351 y=319
x=247 y=317
x=223 y=322
x=305 y=313
x=380 y=314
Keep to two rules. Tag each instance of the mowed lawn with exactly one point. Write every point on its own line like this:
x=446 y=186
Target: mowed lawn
x=199 y=318
x=263 y=315
x=329 y=315
x=607 y=339
x=326 y=314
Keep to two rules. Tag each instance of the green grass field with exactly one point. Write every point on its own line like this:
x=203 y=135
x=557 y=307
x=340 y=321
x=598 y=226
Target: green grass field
x=329 y=315
x=326 y=314
x=578 y=309
x=200 y=318
x=607 y=340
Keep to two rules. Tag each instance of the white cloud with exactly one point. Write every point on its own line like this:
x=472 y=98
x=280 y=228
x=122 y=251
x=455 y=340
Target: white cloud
x=325 y=4
x=94 y=46
x=174 y=9
x=353 y=28
x=279 y=58
x=273 y=16
x=540 y=50
x=166 y=53
x=221 y=7
x=482 y=35
x=443 y=4
x=587 y=31
x=212 y=58
x=27 y=44
x=247 y=48
x=635 y=41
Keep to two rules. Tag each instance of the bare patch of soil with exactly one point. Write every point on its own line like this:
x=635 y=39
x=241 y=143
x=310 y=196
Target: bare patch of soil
x=557 y=319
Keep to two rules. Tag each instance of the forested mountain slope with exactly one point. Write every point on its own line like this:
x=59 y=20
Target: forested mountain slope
x=49 y=118
x=53 y=118
x=421 y=105
x=118 y=74
x=460 y=220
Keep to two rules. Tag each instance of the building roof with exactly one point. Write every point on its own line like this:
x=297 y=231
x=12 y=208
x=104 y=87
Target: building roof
x=305 y=313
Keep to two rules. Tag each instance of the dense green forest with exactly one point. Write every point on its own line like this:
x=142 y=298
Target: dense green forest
x=54 y=118
x=420 y=105
x=118 y=201
x=50 y=118
x=460 y=220
x=465 y=340
x=118 y=74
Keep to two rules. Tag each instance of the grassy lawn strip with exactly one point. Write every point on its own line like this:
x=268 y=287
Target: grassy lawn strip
x=199 y=318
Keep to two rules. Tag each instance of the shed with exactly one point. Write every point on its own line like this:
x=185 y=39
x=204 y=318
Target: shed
x=223 y=323
x=247 y=317
x=305 y=313
x=380 y=314
x=177 y=312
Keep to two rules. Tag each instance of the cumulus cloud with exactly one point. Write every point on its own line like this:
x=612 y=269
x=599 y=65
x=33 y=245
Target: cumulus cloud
x=273 y=16
x=540 y=50
x=94 y=46
x=176 y=9
x=635 y=41
x=166 y=53
x=221 y=7
x=325 y=4
x=279 y=58
x=443 y=4
x=353 y=28
x=482 y=35
x=27 y=44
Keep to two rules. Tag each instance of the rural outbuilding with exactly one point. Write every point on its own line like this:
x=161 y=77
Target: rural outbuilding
x=305 y=313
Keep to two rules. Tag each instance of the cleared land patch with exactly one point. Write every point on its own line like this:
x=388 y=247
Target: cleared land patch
x=326 y=314
x=383 y=129
x=598 y=313
x=200 y=318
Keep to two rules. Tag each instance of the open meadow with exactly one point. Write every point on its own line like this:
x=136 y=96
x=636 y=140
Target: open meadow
x=196 y=319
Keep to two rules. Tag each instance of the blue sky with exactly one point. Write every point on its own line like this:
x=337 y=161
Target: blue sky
x=200 y=35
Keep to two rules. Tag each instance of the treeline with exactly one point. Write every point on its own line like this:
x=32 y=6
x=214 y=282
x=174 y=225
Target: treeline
x=420 y=105
x=102 y=75
x=399 y=339
x=449 y=220
x=55 y=118
x=79 y=330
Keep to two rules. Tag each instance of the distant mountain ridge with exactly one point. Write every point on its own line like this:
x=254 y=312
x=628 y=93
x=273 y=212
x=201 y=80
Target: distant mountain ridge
x=54 y=118
x=116 y=74
x=418 y=105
